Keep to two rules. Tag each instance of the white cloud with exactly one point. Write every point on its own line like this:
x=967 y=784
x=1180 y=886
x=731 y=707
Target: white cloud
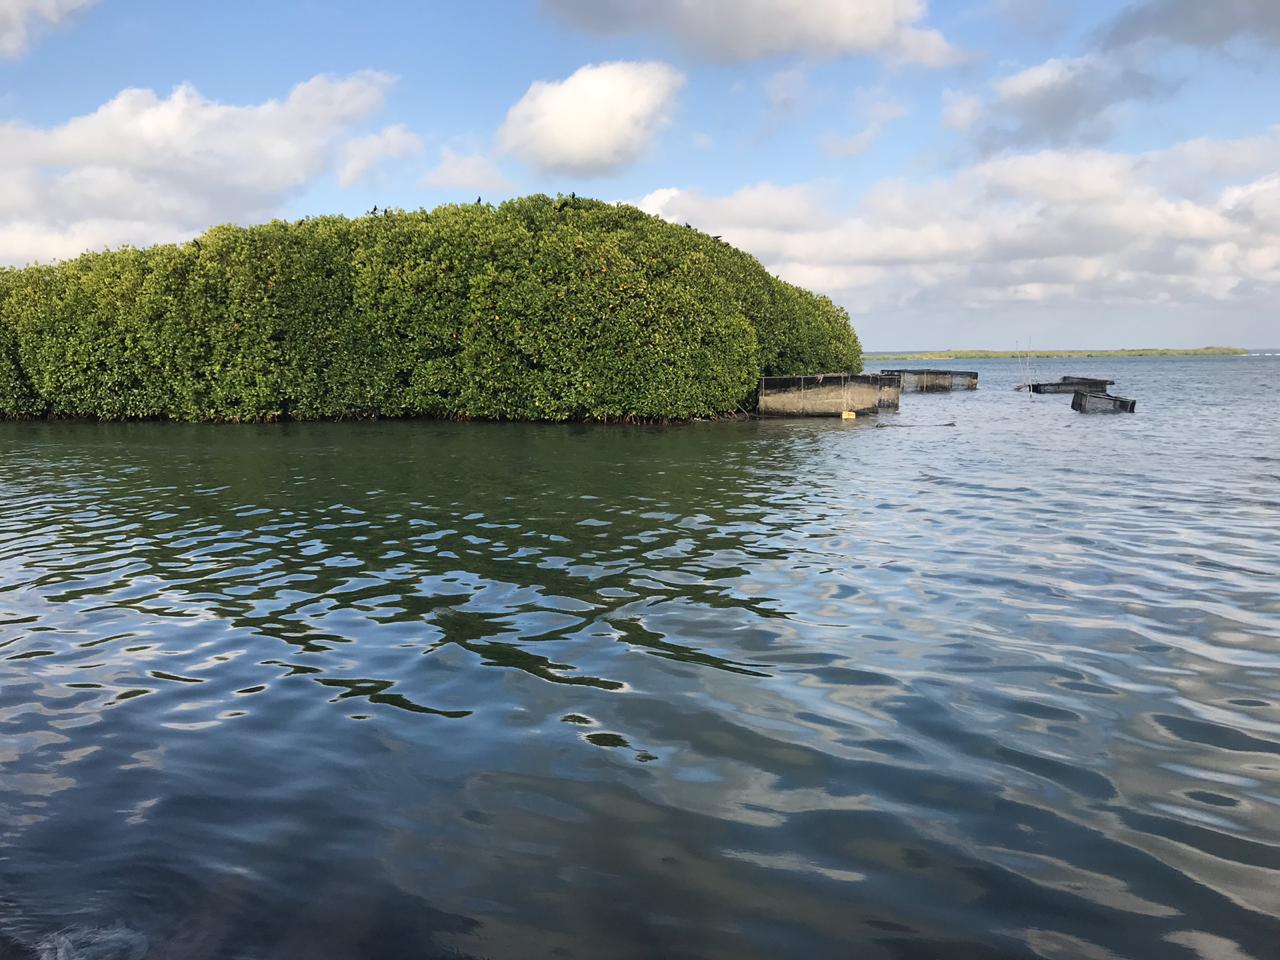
x=466 y=171
x=1196 y=22
x=595 y=121
x=1256 y=204
x=22 y=20
x=960 y=111
x=736 y=30
x=877 y=112
x=1079 y=230
x=144 y=168
x=1205 y=162
x=362 y=154
x=1082 y=100
x=1060 y=102
x=763 y=206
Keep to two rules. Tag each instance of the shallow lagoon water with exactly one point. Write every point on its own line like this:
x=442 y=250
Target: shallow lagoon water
x=1008 y=688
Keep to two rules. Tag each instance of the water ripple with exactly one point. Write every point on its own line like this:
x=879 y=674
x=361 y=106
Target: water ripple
x=723 y=690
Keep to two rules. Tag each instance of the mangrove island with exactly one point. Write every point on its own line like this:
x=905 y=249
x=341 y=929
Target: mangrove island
x=540 y=308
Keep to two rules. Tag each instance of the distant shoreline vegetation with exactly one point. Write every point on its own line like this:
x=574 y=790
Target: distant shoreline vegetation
x=1059 y=354
x=538 y=309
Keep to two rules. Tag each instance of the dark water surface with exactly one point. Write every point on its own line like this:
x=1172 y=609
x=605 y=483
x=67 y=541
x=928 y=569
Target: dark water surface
x=790 y=689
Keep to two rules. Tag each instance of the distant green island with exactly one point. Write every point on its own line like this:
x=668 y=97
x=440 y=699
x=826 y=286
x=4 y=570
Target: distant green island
x=1060 y=354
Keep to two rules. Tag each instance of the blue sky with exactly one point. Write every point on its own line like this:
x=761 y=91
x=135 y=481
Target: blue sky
x=993 y=173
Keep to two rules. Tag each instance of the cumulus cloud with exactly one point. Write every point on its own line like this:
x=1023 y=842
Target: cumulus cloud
x=21 y=21
x=1076 y=101
x=1258 y=204
x=1196 y=23
x=960 y=111
x=763 y=206
x=737 y=30
x=1060 y=102
x=594 y=122
x=466 y=171
x=1059 y=227
x=144 y=168
x=1204 y=165
x=362 y=154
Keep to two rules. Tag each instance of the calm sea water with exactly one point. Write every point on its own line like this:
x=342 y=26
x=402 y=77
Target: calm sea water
x=1008 y=688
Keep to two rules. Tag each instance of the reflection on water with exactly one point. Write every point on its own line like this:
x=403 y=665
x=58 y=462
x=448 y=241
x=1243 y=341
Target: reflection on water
x=1005 y=689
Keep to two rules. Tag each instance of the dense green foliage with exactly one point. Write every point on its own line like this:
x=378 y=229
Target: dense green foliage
x=541 y=308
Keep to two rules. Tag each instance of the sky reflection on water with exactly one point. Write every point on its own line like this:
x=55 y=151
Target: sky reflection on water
x=1004 y=689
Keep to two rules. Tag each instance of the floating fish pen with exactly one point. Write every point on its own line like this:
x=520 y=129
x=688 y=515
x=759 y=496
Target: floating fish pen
x=1085 y=402
x=1073 y=385
x=920 y=380
x=828 y=395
